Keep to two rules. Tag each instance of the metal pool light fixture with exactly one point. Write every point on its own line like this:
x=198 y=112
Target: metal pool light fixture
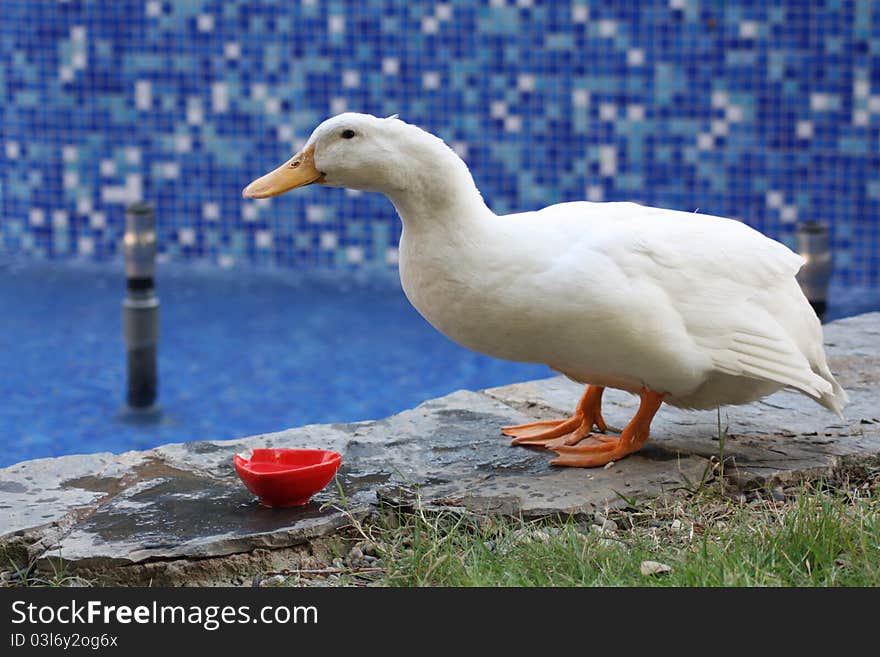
x=814 y=245
x=140 y=309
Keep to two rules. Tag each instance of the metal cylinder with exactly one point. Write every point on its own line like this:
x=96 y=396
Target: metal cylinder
x=140 y=308
x=813 y=243
x=139 y=242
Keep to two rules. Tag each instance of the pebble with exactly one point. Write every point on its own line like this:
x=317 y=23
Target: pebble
x=274 y=580
x=605 y=529
x=648 y=568
x=538 y=535
x=529 y=535
x=520 y=536
x=355 y=555
x=338 y=563
x=77 y=582
x=778 y=494
x=676 y=524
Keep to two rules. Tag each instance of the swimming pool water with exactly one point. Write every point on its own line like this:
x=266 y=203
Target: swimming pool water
x=241 y=353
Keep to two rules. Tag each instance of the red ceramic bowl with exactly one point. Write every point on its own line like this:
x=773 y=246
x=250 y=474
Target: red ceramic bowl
x=287 y=477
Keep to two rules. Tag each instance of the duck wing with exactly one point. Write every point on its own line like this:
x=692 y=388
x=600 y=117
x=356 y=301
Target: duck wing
x=732 y=288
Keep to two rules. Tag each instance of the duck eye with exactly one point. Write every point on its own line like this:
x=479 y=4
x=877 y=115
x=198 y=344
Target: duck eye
x=347 y=134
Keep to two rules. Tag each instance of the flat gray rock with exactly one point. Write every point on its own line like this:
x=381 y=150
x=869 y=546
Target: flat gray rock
x=41 y=500
x=188 y=502
x=152 y=509
x=184 y=514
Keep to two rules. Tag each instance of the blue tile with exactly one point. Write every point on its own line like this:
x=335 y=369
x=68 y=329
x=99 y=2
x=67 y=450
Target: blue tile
x=737 y=102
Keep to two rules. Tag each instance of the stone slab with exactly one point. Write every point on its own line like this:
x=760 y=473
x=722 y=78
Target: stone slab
x=450 y=452
x=180 y=513
x=41 y=500
x=185 y=500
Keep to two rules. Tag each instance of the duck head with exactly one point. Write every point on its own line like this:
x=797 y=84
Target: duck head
x=360 y=151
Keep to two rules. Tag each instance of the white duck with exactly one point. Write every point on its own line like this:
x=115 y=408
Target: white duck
x=689 y=309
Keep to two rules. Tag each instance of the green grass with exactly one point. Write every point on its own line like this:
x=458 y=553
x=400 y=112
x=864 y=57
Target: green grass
x=815 y=538
x=24 y=575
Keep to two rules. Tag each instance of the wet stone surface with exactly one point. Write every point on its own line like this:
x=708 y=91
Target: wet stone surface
x=189 y=516
x=146 y=513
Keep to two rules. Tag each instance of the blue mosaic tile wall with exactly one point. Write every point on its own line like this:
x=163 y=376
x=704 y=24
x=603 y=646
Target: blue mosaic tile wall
x=764 y=111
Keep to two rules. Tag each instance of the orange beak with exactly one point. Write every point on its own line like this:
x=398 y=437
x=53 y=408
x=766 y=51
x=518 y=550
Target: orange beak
x=297 y=172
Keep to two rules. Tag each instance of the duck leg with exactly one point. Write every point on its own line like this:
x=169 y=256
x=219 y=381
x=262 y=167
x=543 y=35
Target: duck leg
x=599 y=450
x=550 y=433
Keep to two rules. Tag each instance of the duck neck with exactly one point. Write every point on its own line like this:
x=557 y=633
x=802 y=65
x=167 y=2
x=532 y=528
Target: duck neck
x=439 y=197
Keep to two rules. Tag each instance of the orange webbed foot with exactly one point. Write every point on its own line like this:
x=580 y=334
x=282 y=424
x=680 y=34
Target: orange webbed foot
x=600 y=450
x=552 y=433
